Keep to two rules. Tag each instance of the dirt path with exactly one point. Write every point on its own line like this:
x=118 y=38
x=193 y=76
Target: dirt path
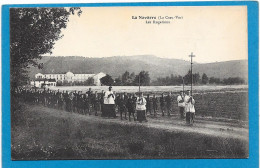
x=172 y=124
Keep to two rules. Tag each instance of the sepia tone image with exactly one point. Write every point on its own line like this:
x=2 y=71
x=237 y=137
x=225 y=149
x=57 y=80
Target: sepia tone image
x=164 y=82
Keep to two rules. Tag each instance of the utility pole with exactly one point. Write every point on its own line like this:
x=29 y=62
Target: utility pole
x=183 y=84
x=139 y=83
x=191 y=70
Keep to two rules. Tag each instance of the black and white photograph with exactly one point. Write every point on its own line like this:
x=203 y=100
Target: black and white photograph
x=129 y=82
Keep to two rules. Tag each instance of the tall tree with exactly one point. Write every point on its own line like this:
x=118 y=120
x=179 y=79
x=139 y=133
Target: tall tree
x=89 y=82
x=107 y=80
x=187 y=78
x=233 y=81
x=125 y=78
x=213 y=80
x=195 y=76
x=144 y=78
x=132 y=78
x=33 y=32
x=204 y=79
x=118 y=81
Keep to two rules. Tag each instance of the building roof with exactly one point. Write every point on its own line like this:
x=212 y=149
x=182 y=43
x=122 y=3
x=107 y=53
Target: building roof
x=64 y=73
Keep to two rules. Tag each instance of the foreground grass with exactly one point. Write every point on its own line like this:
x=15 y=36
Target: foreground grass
x=36 y=135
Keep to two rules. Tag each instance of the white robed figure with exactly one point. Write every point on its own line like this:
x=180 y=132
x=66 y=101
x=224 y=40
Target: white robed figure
x=189 y=108
x=181 y=104
x=109 y=103
x=141 y=108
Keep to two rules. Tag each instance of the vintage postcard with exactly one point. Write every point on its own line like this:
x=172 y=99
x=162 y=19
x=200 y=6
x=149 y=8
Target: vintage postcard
x=134 y=82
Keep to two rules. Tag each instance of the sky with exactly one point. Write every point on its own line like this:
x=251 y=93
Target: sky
x=213 y=34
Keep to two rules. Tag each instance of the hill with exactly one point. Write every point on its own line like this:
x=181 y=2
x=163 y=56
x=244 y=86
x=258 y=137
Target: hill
x=157 y=67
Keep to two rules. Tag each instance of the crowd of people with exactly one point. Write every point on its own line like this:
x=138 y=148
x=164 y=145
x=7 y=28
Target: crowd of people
x=108 y=103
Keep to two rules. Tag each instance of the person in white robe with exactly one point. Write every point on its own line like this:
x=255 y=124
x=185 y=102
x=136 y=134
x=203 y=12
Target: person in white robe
x=141 y=108
x=189 y=108
x=181 y=104
x=109 y=103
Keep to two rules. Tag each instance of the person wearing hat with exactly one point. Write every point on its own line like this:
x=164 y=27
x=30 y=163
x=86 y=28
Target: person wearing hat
x=162 y=104
x=101 y=100
x=86 y=101
x=141 y=108
x=95 y=101
x=189 y=108
x=109 y=103
x=149 y=105
x=155 y=105
x=60 y=100
x=130 y=104
x=90 y=98
x=66 y=99
x=181 y=104
x=169 y=102
x=122 y=105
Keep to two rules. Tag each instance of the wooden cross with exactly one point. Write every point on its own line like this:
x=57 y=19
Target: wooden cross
x=191 y=70
x=191 y=55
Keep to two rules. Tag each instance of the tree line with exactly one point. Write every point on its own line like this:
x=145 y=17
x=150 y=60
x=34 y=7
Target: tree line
x=130 y=79
x=197 y=80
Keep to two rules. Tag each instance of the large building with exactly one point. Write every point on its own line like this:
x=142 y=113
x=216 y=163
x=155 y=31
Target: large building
x=69 y=77
x=39 y=83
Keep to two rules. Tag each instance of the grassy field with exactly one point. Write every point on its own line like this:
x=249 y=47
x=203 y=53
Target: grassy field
x=40 y=133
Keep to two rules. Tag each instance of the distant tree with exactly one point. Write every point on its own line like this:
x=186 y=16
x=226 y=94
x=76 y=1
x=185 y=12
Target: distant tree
x=233 y=81
x=179 y=80
x=65 y=83
x=204 y=79
x=107 y=80
x=81 y=83
x=213 y=80
x=125 y=78
x=169 y=81
x=196 y=78
x=144 y=78
x=172 y=80
x=59 y=83
x=131 y=78
x=89 y=82
x=187 y=78
x=33 y=32
x=156 y=82
x=118 y=81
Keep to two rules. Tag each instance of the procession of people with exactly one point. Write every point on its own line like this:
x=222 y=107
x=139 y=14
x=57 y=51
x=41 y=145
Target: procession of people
x=136 y=105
